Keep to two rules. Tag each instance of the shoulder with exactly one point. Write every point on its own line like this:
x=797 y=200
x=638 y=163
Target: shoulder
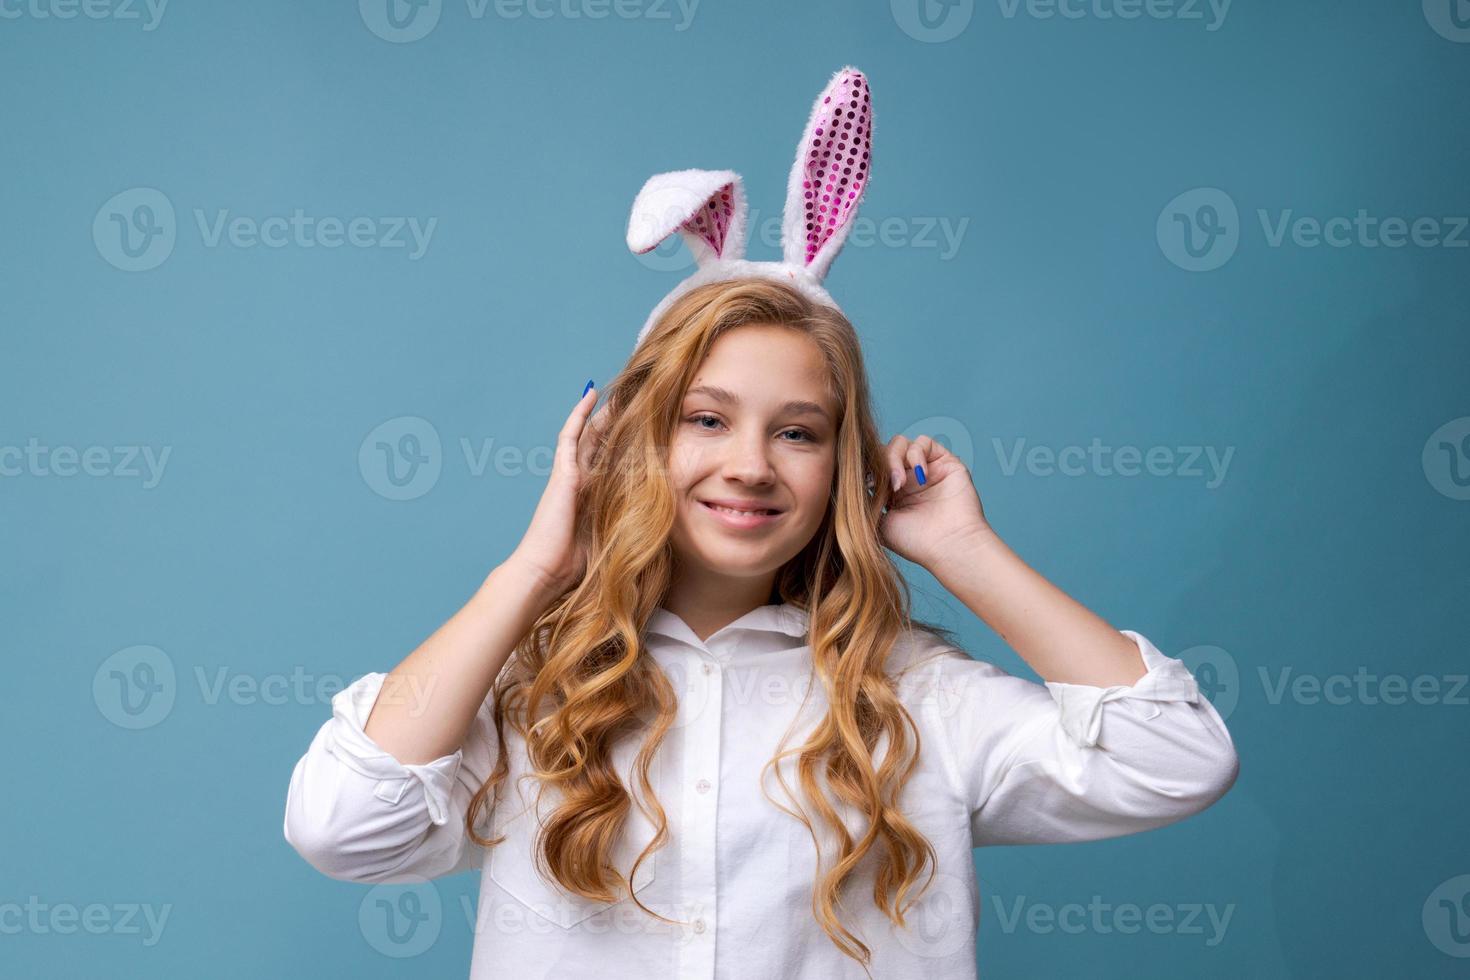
x=925 y=647
x=976 y=714
x=928 y=666
x=923 y=654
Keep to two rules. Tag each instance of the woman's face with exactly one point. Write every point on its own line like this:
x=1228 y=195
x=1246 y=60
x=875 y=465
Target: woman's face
x=756 y=429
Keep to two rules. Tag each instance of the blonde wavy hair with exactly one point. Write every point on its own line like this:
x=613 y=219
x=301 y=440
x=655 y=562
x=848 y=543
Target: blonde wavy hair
x=582 y=669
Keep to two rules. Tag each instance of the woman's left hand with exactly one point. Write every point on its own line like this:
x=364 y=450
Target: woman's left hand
x=923 y=519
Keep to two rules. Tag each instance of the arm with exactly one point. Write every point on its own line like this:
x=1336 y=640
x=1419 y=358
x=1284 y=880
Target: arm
x=429 y=700
x=381 y=793
x=1116 y=741
x=1061 y=639
x=1061 y=763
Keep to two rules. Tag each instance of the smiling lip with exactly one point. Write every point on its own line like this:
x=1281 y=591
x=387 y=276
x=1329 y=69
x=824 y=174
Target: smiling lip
x=739 y=521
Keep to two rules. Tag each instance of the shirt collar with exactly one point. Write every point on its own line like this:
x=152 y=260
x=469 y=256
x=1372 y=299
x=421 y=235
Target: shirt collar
x=781 y=617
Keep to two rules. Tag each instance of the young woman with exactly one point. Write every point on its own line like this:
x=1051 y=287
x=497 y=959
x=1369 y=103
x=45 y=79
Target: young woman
x=688 y=727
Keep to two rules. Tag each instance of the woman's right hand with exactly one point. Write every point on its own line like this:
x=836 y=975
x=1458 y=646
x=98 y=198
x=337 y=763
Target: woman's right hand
x=551 y=550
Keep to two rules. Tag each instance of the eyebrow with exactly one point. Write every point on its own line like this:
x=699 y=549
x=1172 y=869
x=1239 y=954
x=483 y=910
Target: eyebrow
x=793 y=407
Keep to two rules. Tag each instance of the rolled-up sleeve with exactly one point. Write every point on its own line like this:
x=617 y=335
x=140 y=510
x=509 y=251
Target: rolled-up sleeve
x=357 y=814
x=1058 y=763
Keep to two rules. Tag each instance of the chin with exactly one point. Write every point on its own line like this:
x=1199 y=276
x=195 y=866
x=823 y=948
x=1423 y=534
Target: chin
x=737 y=558
x=730 y=555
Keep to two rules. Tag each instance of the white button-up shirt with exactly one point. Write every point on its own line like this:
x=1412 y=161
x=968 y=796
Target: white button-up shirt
x=1003 y=760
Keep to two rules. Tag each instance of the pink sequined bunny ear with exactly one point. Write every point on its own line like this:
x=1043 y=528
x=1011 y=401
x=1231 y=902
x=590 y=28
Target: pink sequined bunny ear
x=706 y=207
x=829 y=175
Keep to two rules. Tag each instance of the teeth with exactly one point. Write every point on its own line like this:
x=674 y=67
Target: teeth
x=730 y=510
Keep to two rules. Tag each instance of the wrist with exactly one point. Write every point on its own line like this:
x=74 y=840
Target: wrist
x=527 y=584
x=967 y=551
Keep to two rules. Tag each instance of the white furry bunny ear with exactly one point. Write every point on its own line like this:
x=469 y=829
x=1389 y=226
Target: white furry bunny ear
x=829 y=175
x=706 y=207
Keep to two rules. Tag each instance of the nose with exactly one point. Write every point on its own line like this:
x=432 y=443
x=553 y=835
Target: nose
x=747 y=459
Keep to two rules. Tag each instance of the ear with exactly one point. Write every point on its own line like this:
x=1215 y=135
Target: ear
x=829 y=175
x=707 y=207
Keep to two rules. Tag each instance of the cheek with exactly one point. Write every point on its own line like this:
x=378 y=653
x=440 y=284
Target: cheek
x=686 y=463
x=691 y=460
x=812 y=484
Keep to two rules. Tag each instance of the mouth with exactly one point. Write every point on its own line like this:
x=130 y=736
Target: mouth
x=741 y=517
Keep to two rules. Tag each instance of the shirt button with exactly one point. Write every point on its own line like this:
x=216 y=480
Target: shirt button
x=699 y=925
x=702 y=785
x=709 y=668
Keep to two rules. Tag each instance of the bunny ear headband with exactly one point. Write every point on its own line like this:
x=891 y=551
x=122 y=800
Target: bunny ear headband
x=708 y=208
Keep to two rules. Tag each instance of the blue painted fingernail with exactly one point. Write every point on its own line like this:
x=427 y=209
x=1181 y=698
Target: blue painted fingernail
x=919 y=471
x=588 y=388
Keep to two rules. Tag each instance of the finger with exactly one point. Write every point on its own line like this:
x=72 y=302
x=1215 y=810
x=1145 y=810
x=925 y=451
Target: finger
x=581 y=410
x=896 y=475
x=920 y=453
x=917 y=457
x=571 y=430
x=590 y=440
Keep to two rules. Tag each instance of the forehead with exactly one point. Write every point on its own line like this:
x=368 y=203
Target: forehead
x=766 y=362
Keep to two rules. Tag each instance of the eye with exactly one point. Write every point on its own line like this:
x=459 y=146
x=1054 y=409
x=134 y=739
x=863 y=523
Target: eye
x=697 y=420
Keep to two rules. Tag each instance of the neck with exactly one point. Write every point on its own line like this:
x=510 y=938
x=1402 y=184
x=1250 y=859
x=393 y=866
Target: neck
x=708 y=604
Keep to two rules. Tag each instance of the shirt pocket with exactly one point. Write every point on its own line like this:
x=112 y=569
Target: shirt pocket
x=511 y=863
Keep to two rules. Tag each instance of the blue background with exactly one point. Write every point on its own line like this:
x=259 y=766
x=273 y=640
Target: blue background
x=1053 y=146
